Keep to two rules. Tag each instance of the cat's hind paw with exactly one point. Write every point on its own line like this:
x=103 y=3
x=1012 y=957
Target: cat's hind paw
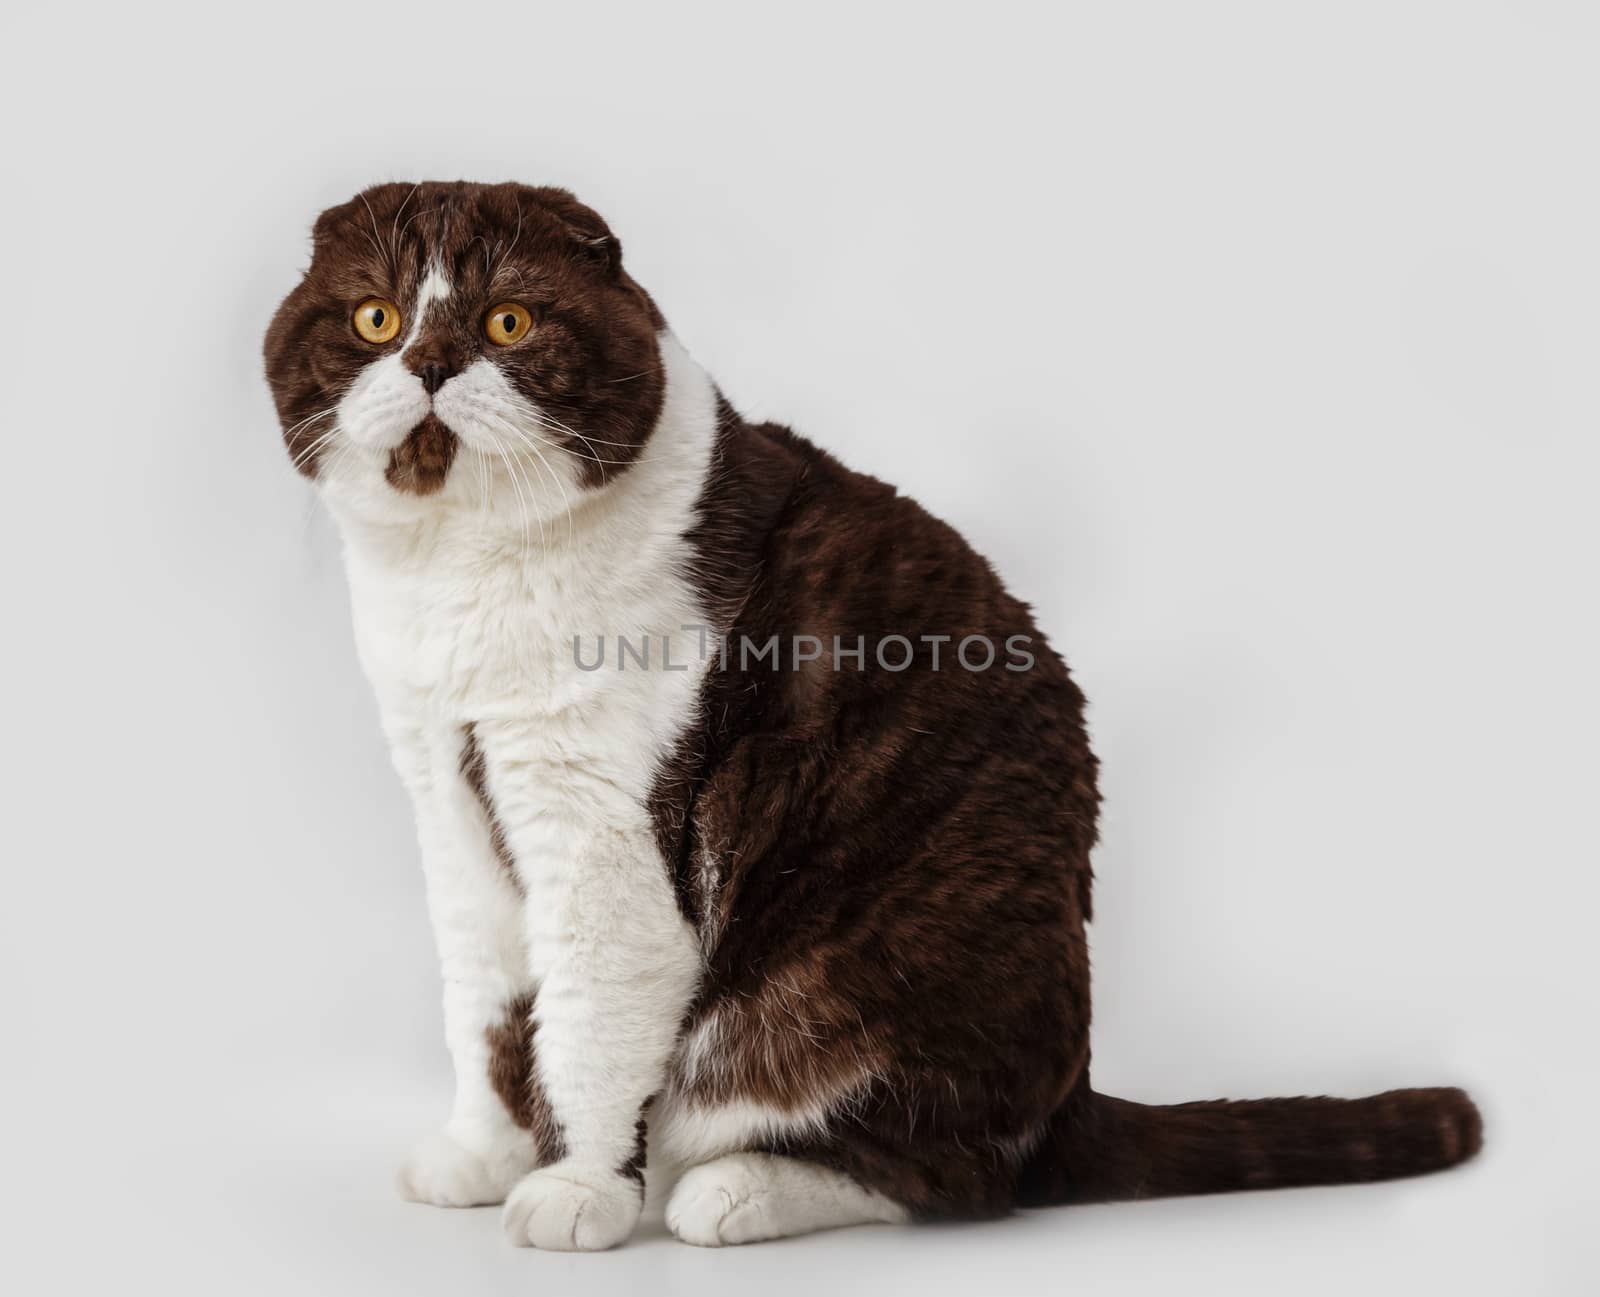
x=746 y=1197
x=718 y=1204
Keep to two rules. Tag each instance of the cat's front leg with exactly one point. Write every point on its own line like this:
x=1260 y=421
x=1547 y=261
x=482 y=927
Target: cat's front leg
x=617 y=966
x=475 y=909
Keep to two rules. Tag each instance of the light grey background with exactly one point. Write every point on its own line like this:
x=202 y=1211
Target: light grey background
x=1254 y=342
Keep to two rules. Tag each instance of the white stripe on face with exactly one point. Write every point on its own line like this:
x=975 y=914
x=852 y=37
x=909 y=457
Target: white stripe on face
x=387 y=400
x=435 y=287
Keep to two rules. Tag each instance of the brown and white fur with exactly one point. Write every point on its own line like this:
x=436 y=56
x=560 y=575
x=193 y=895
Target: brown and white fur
x=808 y=936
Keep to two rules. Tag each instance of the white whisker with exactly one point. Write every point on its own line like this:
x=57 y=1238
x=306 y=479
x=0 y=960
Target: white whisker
x=377 y=245
x=531 y=443
x=522 y=503
x=394 y=233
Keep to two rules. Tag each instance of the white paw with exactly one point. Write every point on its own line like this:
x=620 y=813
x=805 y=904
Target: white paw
x=444 y=1172
x=717 y=1204
x=563 y=1209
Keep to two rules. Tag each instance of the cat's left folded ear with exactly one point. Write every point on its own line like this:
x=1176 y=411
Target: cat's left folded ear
x=586 y=226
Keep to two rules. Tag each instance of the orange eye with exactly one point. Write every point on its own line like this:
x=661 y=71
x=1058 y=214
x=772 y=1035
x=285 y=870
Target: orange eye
x=377 y=320
x=506 y=324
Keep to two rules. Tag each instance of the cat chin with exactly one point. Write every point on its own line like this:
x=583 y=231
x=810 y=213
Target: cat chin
x=420 y=463
x=437 y=475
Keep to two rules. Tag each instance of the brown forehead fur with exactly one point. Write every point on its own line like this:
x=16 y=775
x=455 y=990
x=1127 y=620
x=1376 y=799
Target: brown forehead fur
x=590 y=362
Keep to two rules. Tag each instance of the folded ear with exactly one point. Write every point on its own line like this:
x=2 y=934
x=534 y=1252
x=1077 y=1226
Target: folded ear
x=585 y=227
x=331 y=222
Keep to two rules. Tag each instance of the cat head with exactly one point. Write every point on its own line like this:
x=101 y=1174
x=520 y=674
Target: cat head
x=460 y=344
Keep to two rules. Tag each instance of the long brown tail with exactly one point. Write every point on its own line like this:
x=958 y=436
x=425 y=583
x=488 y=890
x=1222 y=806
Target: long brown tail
x=1098 y=1148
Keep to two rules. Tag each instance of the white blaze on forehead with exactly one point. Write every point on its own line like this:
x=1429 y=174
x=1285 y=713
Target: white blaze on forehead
x=387 y=400
x=435 y=287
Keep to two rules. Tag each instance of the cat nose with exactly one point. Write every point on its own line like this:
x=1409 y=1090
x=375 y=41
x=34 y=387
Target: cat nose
x=433 y=376
x=435 y=361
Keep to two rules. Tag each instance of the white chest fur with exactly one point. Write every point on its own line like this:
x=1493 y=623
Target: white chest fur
x=466 y=616
x=470 y=616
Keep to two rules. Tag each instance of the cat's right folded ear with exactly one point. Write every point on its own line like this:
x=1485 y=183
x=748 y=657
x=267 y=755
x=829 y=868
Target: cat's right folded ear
x=322 y=230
